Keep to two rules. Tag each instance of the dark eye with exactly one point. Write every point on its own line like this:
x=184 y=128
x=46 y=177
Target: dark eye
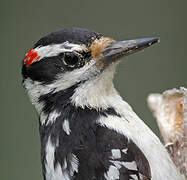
x=71 y=59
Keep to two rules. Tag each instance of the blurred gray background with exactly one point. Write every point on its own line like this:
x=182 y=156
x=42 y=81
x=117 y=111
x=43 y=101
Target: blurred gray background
x=160 y=67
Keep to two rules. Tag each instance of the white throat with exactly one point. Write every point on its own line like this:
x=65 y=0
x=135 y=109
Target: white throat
x=96 y=93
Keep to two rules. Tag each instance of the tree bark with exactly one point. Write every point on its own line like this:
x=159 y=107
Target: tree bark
x=170 y=111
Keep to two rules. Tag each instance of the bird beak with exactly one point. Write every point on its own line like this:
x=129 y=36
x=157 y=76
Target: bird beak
x=118 y=49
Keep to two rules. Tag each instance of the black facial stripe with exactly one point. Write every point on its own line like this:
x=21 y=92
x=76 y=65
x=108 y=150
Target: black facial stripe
x=47 y=69
x=57 y=101
x=72 y=35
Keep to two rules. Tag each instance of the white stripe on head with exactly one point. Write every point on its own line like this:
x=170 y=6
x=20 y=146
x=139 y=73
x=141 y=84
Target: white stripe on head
x=55 y=49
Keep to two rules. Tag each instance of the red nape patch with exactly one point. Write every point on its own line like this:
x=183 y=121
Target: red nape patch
x=31 y=57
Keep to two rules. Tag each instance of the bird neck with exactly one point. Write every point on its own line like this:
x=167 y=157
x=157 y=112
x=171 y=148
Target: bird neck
x=96 y=93
x=64 y=130
x=93 y=98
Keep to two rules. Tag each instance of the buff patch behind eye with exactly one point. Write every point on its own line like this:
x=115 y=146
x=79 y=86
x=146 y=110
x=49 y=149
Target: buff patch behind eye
x=31 y=57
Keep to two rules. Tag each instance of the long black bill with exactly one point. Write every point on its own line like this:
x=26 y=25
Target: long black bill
x=119 y=49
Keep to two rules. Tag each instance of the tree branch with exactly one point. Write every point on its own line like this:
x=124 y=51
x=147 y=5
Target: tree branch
x=170 y=111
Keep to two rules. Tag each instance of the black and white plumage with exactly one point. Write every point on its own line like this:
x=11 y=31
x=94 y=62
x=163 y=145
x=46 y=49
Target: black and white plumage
x=87 y=130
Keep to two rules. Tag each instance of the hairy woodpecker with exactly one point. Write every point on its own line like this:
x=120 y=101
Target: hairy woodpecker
x=88 y=132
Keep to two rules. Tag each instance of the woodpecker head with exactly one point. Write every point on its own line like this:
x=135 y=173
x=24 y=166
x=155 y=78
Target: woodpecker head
x=79 y=58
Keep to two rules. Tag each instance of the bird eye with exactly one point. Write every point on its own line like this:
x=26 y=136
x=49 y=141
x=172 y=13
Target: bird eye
x=71 y=59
